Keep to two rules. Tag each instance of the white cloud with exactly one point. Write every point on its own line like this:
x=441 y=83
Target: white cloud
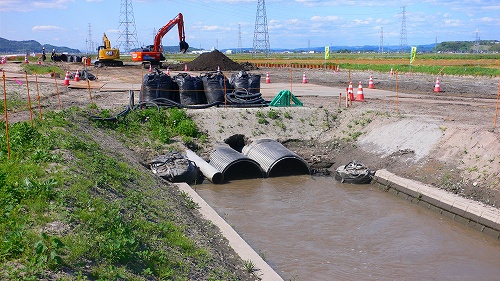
x=46 y=28
x=325 y=18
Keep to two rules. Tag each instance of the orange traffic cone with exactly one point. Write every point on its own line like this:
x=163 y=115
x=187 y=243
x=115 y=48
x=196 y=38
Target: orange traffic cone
x=77 y=76
x=268 y=80
x=185 y=67
x=304 y=78
x=350 y=92
x=360 y=96
x=370 y=83
x=168 y=71
x=437 y=87
x=66 y=79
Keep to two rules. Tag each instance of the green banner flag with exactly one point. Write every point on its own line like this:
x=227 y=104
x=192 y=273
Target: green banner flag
x=327 y=52
x=413 y=54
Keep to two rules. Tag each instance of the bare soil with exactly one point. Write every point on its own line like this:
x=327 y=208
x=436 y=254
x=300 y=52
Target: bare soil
x=448 y=140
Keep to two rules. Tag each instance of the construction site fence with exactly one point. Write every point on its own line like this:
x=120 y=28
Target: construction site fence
x=298 y=65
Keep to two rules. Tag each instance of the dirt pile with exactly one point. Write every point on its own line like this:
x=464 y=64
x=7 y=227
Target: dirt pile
x=211 y=61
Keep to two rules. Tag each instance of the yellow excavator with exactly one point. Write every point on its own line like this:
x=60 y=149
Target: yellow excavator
x=107 y=56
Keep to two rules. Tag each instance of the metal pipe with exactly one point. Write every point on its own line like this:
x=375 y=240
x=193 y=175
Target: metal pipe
x=210 y=172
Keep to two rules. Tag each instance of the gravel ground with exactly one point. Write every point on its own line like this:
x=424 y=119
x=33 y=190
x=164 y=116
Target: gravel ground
x=446 y=139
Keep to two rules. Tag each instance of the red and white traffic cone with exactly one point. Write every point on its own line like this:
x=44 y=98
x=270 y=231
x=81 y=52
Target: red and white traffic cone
x=350 y=92
x=26 y=59
x=150 y=68
x=77 y=76
x=437 y=87
x=392 y=72
x=360 y=96
x=66 y=79
x=268 y=79
x=168 y=71
x=218 y=70
x=185 y=67
x=304 y=78
x=370 y=83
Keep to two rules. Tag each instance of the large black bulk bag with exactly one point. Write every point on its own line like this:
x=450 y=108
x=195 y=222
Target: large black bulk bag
x=190 y=89
x=157 y=87
x=215 y=86
x=243 y=80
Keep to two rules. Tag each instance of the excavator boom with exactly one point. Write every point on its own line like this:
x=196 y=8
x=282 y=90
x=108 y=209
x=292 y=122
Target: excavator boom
x=154 y=54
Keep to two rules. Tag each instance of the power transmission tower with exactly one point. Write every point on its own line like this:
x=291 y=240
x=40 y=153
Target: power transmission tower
x=128 y=36
x=381 y=43
x=403 y=44
x=239 y=39
x=476 y=43
x=90 y=43
x=261 y=34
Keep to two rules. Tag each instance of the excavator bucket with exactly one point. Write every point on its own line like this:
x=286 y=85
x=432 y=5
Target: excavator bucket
x=183 y=46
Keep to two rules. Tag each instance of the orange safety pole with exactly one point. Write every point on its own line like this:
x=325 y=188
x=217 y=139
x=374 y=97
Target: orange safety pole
x=496 y=111
x=397 y=101
x=224 y=87
x=29 y=98
x=6 y=115
x=90 y=92
x=57 y=90
x=38 y=95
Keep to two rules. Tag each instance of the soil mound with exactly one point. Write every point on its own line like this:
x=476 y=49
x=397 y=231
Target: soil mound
x=210 y=61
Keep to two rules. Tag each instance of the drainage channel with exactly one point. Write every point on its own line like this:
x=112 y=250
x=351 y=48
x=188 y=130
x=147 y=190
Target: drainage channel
x=314 y=228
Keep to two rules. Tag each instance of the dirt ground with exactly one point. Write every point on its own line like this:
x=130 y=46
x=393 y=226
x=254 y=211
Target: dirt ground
x=445 y=139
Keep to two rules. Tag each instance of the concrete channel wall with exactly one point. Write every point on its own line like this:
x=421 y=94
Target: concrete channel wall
x=474 y=214
x=263 y=271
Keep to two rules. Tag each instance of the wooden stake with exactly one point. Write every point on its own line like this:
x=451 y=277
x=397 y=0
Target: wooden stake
x=29 y=98
x=397 y=101
x=6 y=115
x=38 y=95
x=496 y=111
x=57 y=90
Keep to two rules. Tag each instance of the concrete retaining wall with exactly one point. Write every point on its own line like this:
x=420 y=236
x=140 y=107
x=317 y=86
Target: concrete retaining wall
x=474 y=214
x=264 y=271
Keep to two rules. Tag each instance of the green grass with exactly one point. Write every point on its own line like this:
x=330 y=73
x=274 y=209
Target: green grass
x=42 y=69
x=67 y=205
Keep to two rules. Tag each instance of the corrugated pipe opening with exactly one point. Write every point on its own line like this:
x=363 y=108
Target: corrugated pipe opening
x=275 y=159
x=289 y=166
x=233 y=164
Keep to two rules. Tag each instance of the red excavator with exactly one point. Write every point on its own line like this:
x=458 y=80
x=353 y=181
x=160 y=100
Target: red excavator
x=153 y=54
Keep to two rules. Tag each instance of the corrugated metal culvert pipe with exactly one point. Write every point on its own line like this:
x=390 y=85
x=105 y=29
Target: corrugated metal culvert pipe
x=275 y=159
x=233 y=164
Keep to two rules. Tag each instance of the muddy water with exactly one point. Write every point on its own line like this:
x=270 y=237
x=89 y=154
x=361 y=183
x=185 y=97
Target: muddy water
x=314 y=228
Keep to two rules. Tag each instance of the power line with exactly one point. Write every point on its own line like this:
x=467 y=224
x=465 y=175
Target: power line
x=261 y=34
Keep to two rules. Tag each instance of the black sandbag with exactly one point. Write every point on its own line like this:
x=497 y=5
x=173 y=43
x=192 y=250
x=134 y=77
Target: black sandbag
x=244 y=80
x=253 y=83
x=239 y=80
x=190 y=89
x=158 y=86
x=215 y=85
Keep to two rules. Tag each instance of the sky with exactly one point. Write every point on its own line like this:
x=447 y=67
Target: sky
x=228 y=24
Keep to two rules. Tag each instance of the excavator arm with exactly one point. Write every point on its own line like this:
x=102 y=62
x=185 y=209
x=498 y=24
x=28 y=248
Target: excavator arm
x=107 y=43
x=179 y=20
x=153 y=54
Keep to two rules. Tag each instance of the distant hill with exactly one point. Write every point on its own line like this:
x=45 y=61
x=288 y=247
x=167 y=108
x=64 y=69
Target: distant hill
x=21 y=47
